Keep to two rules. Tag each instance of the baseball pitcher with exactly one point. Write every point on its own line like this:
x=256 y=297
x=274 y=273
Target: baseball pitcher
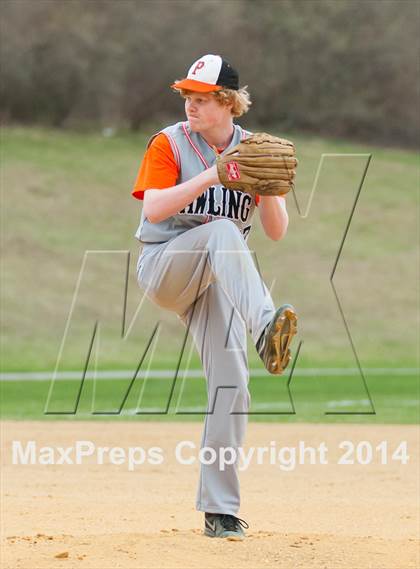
x=201 y=181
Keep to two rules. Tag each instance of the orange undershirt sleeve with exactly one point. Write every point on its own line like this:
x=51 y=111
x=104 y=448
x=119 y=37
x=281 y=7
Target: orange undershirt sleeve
x=158 y=169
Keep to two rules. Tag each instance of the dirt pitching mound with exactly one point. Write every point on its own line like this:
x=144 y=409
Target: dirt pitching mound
x=95 y=515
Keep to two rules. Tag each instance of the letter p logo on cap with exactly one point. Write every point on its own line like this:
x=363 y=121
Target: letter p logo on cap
x=199 y=65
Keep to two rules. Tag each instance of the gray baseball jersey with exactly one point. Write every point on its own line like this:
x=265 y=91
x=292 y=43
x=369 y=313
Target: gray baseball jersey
x=193 y=155
x=197 y=264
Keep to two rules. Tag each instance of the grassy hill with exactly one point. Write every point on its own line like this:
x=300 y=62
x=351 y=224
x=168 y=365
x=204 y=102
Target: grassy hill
x=64 y=193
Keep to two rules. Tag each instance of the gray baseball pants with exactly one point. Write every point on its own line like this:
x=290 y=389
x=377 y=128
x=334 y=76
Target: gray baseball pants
x=208 y=277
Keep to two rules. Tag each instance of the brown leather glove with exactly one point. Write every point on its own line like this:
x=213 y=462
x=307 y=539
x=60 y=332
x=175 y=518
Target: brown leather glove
x=261 y=164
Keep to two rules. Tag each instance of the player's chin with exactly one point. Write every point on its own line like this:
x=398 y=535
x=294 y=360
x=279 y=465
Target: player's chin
x=194 y=124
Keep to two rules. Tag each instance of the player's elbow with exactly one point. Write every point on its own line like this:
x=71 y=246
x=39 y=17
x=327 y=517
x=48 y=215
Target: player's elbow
x=276 y=231
x=149 y=214
x=151 y=218
x=149 y=208
x=276 y=236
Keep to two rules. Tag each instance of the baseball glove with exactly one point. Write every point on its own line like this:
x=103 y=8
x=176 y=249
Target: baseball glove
x=261 y=164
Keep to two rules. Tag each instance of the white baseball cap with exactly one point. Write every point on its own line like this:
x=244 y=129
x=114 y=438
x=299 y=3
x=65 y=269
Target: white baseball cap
x=209 y=73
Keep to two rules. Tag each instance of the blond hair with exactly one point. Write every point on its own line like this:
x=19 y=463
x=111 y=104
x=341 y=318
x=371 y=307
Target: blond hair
x=240 y=100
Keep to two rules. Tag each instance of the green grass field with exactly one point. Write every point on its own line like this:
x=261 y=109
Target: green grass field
x=310 y=399
x=64 y=193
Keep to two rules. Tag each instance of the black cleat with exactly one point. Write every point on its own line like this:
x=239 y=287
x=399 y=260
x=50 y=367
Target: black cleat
x=224 y=525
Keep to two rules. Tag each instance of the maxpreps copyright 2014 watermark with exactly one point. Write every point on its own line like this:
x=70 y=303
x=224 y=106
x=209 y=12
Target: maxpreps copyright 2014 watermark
x=287 y=458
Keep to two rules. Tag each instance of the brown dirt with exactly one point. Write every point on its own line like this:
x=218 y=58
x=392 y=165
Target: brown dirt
x=317 y=516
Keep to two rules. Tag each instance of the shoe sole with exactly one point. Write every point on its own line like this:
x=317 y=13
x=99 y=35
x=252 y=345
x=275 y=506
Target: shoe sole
x=284 y=329
x=227 y=537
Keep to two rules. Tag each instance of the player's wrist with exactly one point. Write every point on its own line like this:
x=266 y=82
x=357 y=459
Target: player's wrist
x=212 y=176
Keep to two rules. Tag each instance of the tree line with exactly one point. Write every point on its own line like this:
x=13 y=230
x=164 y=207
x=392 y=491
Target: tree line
x=345 y=68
